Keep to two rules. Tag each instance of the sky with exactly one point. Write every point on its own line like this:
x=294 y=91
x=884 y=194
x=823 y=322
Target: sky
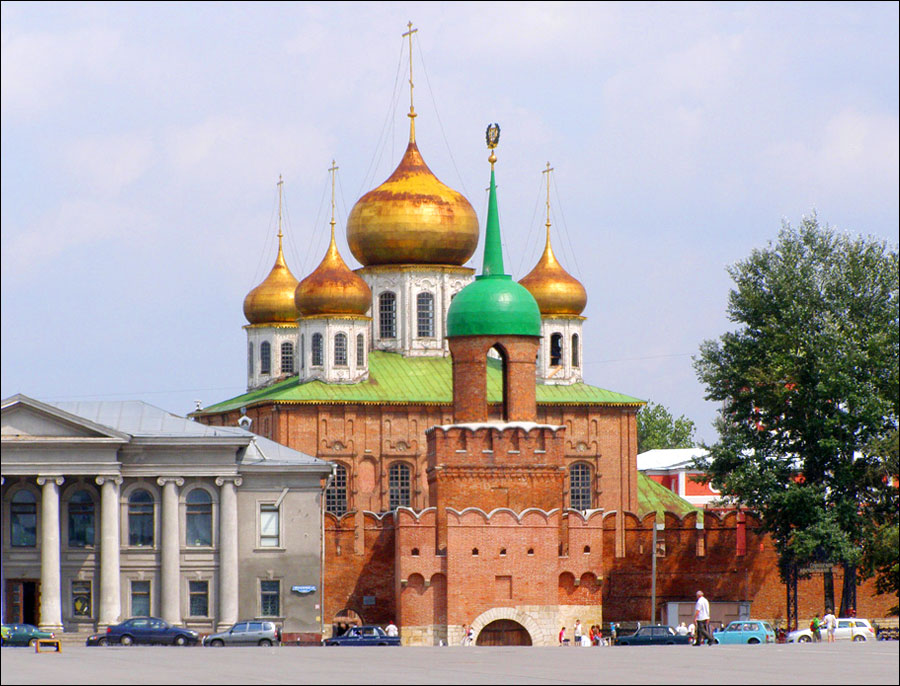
x=142 y=143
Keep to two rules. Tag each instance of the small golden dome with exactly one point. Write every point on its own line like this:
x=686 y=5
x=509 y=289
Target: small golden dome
x=272 y=301
x=332 y=288
x=556 y=291
x=412 y=218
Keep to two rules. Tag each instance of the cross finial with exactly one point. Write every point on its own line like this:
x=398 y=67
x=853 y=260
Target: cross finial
x=279 y=184
x=412 y=110
x=333 y=168
x=547 y=172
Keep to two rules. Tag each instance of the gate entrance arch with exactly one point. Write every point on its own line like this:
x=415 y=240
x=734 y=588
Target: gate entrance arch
x=503 y=632
x=522 y=626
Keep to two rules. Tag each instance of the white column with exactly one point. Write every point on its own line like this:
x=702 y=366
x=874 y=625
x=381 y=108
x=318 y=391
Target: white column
x=228 y=550
x=110 y=545
x=51 y=599
x=170 y=572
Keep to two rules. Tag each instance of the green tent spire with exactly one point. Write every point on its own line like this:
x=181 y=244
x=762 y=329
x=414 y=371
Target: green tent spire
x=493 y=249
x=493 y=304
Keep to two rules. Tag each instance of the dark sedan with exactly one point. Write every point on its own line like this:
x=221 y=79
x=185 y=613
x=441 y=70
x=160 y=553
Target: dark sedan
x=150 y=630
x=655 y=635
x=363 y=636
x=22 y=635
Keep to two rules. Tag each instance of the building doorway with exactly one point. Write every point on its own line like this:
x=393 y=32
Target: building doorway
x=23 y=601
x=504 y=632
x=344 y=620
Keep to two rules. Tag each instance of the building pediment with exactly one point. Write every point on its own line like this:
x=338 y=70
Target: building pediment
x=26 y=419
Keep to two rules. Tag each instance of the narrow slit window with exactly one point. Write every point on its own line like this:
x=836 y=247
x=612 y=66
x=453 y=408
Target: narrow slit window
x=580 y=487
x=336 y=495
x=265 y=358
x=575 y=362
x=340 y=350
x=556 y=343
x=425 y=315
x=387 y=315
x=360 y=350
x=398 y=479
x=287 y=358
x=317 y=350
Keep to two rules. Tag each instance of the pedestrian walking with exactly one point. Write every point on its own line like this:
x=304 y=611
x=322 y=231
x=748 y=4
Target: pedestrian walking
x=701 y=617
x=830 y=624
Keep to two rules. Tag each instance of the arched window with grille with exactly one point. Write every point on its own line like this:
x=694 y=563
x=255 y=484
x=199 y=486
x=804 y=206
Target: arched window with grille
x=23 y=519
x=360 y=350
x=398 y=483
x=140 y=518
x=249 y=359
x=302 y=352
x=265 y=358
x=580 y=486
x=556 y=353
x=387 y=315
x=317 y=350
x=425 y=315
x=198 y=529
x=336 y=495
x=287 y=358
x=574 y=349
x=340 y=350
x=81 y=519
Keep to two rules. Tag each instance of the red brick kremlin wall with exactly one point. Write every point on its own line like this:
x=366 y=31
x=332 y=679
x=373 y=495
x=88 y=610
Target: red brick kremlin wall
x=371 y=556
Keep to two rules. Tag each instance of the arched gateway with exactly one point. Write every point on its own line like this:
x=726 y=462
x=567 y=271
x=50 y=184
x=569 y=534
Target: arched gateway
x=504 y=632
x=508 y=626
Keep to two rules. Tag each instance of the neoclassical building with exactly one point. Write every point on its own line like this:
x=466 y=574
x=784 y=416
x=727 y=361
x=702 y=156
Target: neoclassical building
x=119 y=509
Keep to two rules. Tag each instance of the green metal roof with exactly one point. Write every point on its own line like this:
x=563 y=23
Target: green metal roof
x=398 y=380
x=653 y=496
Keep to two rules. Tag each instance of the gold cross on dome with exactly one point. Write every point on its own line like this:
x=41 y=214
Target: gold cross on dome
x=410 y=32
x=547 y=172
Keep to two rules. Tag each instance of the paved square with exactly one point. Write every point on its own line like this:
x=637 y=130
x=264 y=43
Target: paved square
x=841 y=663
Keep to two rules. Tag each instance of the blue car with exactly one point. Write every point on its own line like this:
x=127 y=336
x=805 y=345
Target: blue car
x=750 y=631
x=363 y=636
x=150 y=630
x=654 y=635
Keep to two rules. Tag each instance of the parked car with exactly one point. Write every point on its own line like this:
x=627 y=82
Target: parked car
x=655 y=634
x=150 y=630
x=363 y=636
x=848 y=629
x=751 y=631
x=246 y=634
x=22 y=635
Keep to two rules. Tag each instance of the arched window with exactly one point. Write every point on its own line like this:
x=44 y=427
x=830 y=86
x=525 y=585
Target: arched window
x=574 y=349
x=556 y=342
x=580 y=487
x=336 y=495
x=249 y=359
x=140 y=518
x=340 y=350
x=387 y=315
x=199 y=518
x=425 y=315
x=81 y=519
x=23 y=519
x=317 y=350
x=360 y=350
x=398 y=483
x=287 y=358
x=265 y=358
x=302 y=352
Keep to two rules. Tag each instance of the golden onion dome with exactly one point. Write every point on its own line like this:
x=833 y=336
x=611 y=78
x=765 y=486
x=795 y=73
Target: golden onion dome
x=332 y=288
x=412 y=218
x=556 y=291
x=272 y=301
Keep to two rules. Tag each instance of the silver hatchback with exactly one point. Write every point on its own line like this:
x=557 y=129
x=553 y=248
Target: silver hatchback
x=254 y=633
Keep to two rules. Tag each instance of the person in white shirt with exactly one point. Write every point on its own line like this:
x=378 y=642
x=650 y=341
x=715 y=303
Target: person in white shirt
x=391 y=629
x=682 y=630
x=577 y=632
x=830 y=624
x=701 y=617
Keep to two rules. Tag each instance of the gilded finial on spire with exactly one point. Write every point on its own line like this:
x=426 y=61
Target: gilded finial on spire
x=279 y=184
x=332 y=169
x=412 y=110
x=492 y=135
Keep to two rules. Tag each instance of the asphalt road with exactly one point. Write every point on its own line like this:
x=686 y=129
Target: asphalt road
x=839 y=663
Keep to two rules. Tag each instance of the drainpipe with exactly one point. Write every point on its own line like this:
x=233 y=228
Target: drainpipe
x=322 y=563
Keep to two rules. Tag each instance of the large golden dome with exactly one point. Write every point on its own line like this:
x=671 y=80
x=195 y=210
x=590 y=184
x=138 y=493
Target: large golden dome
x=557 y=292
x=332 y=289
x=272 y=301
x=412 y=218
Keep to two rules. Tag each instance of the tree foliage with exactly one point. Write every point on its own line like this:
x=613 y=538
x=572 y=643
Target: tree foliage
x=807 y=380
x=658 y=428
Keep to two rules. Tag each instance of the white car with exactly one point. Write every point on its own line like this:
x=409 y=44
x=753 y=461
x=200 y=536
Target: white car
x=848 y=628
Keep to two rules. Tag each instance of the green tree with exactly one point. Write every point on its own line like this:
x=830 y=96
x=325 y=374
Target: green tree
x=806 y=381
x=658 y=428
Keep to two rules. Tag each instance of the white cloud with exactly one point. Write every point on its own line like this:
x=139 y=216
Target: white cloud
x=40 y=70
x=107 y=164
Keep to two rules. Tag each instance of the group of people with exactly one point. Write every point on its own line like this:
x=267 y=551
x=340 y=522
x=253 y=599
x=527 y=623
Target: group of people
x=468 y=638
x=828 y=622
x=594 y=636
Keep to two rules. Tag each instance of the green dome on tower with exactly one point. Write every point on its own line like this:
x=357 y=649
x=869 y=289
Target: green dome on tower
x=494 y=304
